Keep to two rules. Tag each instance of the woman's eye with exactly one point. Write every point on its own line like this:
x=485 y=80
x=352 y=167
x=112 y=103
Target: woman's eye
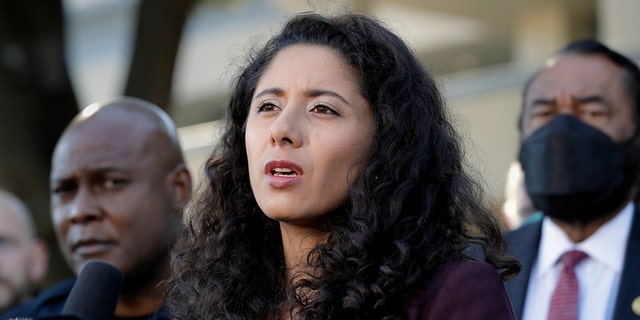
x=323 y=109
x=266 y=106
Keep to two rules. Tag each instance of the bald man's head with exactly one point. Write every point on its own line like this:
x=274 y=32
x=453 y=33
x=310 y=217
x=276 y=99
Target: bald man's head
x=23 y=258
x=118 y=186
x=12 y=205
x=140 y=116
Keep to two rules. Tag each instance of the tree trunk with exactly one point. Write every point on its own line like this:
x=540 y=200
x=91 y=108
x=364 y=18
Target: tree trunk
x=37 y=102
x=158 y=34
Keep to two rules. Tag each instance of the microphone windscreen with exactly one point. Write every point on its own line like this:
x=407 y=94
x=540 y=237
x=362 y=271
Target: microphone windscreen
x=94 y=296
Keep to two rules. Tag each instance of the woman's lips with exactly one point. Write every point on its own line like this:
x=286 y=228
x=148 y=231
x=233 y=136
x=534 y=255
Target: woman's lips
x=282 y=173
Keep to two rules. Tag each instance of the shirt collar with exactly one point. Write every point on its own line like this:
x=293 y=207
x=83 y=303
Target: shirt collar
x=607 y=245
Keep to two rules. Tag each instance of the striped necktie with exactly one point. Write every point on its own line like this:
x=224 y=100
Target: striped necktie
x=564 y=301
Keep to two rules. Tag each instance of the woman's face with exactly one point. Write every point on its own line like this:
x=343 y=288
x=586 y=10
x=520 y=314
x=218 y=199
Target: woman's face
x=308 y=133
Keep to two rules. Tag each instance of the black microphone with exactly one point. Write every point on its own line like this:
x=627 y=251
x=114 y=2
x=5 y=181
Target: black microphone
x=94 y=296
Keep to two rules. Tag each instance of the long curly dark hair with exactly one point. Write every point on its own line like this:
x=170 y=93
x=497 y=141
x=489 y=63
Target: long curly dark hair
x=411 y=208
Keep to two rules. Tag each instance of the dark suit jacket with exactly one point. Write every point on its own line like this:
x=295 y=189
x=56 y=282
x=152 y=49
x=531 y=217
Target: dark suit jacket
x=463 y=290
x=524 y=244
x=51 y=302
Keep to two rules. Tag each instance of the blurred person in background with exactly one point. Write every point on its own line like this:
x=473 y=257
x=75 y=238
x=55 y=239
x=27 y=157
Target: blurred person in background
x=580 y=152
x=119 y=185
x=517 y=208
x=24 y=258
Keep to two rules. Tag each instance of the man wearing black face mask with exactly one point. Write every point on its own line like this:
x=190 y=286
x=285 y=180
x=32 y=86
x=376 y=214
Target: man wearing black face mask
x=580 y=152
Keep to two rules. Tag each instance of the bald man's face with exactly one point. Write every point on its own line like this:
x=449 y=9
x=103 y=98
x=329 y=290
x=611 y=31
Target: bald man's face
x=113 y=194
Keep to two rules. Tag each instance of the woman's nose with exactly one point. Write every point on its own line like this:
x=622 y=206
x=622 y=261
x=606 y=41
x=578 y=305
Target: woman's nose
x=286 y=128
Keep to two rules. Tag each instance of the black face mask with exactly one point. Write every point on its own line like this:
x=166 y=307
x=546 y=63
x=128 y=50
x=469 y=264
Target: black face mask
x=574 y=172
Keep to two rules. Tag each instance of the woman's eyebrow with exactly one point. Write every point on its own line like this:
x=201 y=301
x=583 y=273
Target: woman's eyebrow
x=320 y=92
x=276 y=91
x=309 y=93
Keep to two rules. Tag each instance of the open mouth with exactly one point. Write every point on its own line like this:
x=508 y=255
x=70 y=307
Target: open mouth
x=283 y=172
x=283 y=168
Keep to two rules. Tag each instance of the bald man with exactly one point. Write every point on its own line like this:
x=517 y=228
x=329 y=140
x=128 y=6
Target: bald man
x=23 y=257
x=119 y=185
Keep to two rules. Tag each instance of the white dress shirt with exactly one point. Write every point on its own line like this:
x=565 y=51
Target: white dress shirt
x=598 y=275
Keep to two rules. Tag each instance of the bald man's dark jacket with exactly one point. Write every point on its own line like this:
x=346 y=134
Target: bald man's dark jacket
x=51 y=302
x=524 y=244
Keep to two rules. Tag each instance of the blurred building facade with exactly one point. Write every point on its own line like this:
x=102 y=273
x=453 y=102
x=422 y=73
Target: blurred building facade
x=481 y=51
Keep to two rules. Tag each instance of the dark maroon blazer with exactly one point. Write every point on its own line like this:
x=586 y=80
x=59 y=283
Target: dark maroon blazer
x=464 y=290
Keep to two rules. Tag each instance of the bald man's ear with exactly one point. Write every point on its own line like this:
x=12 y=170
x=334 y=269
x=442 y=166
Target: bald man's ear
x=39 y=261
x=181 y=188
